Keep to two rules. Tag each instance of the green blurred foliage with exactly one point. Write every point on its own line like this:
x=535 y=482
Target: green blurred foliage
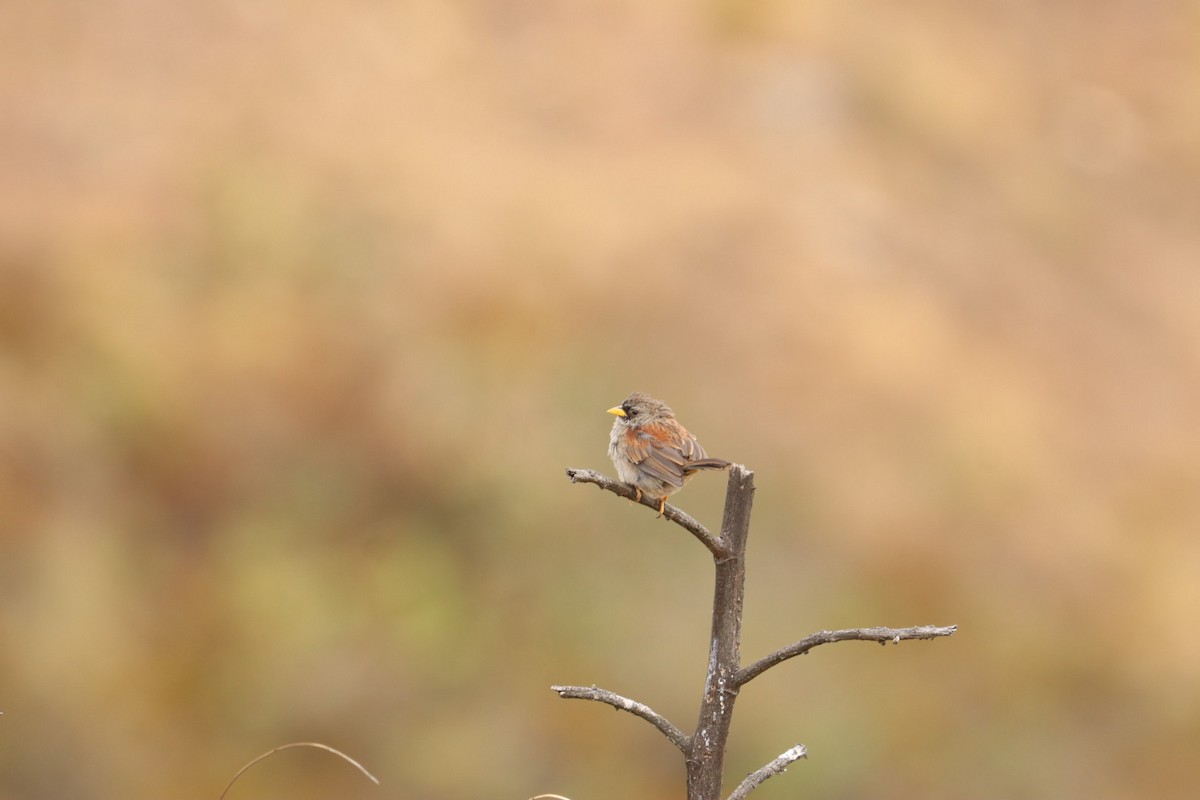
x=303 y=311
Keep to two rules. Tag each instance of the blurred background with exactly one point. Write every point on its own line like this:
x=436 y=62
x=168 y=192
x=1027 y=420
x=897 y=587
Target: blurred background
x=304 y=309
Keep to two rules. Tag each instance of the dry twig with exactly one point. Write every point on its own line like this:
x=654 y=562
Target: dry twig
x=642 y=710
x=275 y=750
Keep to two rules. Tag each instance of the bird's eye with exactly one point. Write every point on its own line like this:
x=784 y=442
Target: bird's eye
x=629 y=410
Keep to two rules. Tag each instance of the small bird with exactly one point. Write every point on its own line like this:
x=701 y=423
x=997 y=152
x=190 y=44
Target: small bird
x=652 y=452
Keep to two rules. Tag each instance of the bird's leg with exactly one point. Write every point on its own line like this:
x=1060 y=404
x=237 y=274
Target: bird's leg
x=662 y=506
x=639 y=494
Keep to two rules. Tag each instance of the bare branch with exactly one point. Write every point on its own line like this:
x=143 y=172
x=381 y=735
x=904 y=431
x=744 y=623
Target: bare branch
x=275 y=750
x=625 y=704
x=679 y=517
x=881 y=635
x=776 y=767
x=704 y=750
x=706 y=755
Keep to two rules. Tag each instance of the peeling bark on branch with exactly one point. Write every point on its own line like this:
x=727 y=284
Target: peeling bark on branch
x=705 y=762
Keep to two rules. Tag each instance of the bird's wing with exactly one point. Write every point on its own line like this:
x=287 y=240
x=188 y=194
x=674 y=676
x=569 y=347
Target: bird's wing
x=661 y=452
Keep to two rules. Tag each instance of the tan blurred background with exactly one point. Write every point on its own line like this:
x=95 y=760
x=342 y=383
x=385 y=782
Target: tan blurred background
x=304 y=308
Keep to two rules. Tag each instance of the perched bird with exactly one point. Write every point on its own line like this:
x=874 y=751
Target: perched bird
x=652 y=452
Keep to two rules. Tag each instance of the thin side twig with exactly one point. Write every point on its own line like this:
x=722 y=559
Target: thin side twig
x=881 y=635
x=664 y=725
x=674 y=514
x=778 y=766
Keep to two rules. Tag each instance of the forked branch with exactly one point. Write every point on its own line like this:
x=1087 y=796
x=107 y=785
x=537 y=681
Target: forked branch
x=704 y=750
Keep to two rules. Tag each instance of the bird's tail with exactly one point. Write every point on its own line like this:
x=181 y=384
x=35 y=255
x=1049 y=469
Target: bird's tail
x=705 y=463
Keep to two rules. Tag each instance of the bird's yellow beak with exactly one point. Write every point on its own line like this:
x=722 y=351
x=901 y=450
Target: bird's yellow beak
x=620 y=412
